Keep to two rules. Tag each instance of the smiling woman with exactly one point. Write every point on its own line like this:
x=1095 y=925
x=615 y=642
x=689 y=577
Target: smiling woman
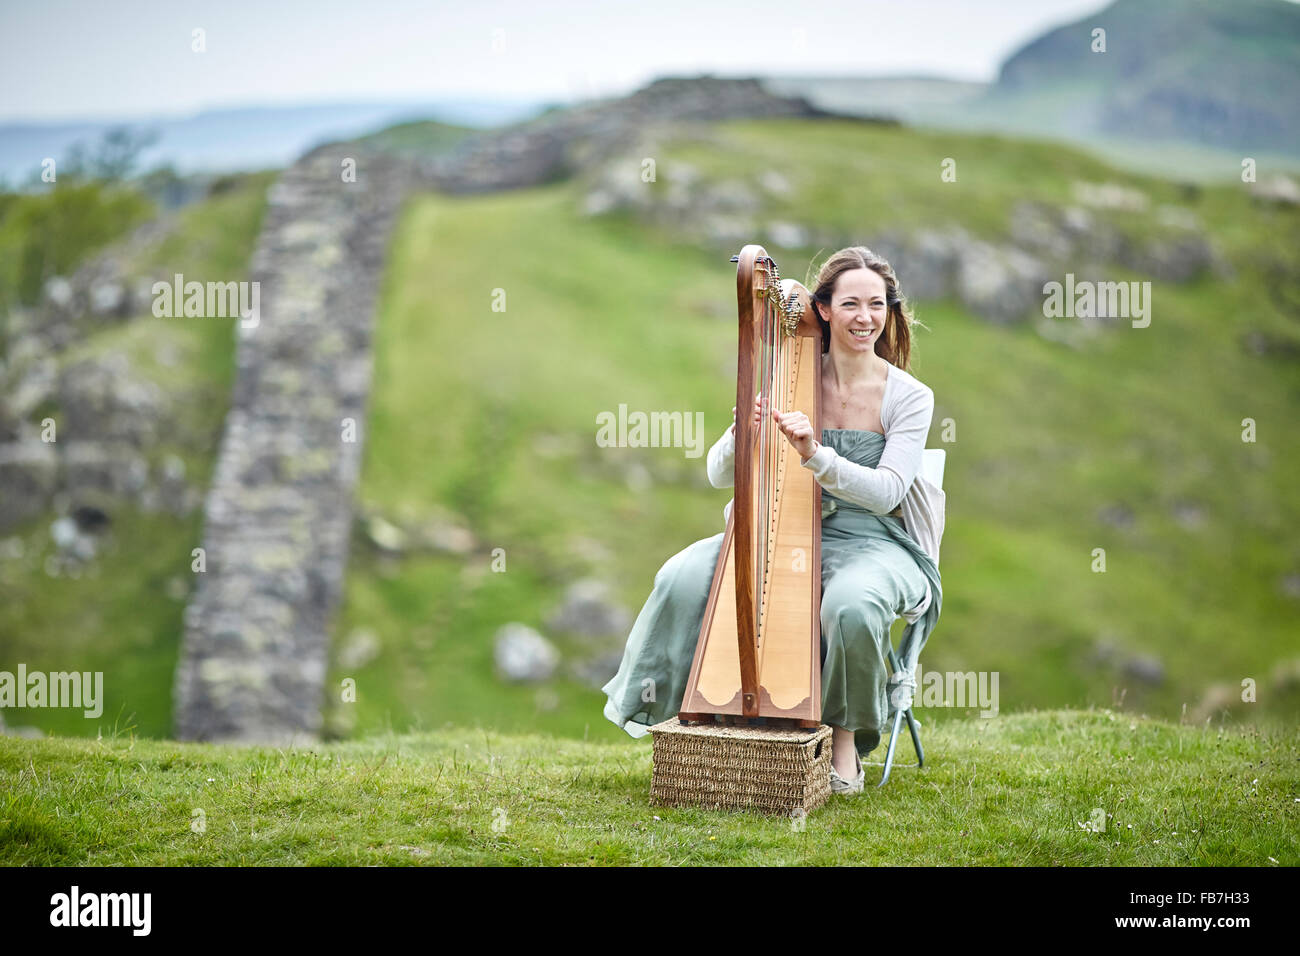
x=876 y=416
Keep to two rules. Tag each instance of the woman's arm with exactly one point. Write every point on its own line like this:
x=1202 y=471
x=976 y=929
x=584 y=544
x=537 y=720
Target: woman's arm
x=881 y=489
x=722 y=458
x=721 y=462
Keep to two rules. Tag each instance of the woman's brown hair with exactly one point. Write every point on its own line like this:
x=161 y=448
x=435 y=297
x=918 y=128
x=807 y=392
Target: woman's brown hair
x=895 y=342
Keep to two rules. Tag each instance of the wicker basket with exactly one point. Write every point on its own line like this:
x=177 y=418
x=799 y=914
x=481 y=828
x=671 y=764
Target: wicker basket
x=720 y=767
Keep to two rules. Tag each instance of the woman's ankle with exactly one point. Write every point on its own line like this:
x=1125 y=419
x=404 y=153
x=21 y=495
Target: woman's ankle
x=844 y=753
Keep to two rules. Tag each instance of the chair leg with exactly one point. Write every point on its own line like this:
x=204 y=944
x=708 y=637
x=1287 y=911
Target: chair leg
x=893 y=734
x=916 y=738
x=893 y=742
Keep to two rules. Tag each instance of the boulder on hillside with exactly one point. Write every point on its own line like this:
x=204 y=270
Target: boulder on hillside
x=1001 y=284
x=1279 y=189
x=523 y=655
x=588 y=610
x=28 y=478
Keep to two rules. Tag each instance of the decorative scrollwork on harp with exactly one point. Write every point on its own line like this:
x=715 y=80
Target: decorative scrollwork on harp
x=790 y=309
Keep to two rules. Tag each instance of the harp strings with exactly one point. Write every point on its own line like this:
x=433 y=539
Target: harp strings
x=764 y=442
x=775 y=351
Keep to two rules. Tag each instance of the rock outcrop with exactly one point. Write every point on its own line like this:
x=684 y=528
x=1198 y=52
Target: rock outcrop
x=108 y=413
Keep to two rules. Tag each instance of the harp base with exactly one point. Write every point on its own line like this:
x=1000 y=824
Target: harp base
x=733 y=720
x=768 y=769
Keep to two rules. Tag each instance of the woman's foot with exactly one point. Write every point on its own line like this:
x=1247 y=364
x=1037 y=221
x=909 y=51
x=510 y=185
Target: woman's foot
x=847 y=775
x=854 y=783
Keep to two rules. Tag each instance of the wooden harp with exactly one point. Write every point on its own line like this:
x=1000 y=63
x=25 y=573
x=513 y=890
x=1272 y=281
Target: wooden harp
x=758 y=657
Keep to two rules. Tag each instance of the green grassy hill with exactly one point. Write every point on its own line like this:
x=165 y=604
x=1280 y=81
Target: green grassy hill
x=492 y=416
x=489 y=418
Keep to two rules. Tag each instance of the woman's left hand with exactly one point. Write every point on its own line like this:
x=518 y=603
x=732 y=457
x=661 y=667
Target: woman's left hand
x=796 y=427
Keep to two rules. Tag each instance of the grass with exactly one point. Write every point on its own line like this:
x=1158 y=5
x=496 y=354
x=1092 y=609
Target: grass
x=420 y=137
x=122 y=616
x=1013 y=790
x=868 y=179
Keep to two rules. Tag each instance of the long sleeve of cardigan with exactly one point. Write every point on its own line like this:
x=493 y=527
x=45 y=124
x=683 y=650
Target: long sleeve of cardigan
x=881 y=489
x=721 y=462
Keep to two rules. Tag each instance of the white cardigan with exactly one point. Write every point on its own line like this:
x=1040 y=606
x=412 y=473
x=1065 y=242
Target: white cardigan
x=906 y=411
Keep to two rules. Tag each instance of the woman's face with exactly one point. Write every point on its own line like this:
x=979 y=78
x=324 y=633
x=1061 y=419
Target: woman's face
x=858 y=310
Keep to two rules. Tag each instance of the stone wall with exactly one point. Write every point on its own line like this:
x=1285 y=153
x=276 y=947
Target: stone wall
x=279 y=511
x=555 y=145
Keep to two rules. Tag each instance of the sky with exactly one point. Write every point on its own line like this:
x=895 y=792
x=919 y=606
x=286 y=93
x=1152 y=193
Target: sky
x=119 y=59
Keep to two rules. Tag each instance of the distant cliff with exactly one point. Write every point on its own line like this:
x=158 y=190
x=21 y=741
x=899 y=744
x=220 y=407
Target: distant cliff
x=1204 y=71
x=1177 y=77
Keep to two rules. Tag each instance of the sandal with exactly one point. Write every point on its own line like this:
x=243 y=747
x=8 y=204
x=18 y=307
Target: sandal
x=846 y=787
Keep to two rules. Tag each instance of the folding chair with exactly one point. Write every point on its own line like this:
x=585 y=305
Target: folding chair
x=902 y=679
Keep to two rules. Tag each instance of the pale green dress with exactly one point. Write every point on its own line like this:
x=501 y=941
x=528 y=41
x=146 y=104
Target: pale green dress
x=872 y=571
